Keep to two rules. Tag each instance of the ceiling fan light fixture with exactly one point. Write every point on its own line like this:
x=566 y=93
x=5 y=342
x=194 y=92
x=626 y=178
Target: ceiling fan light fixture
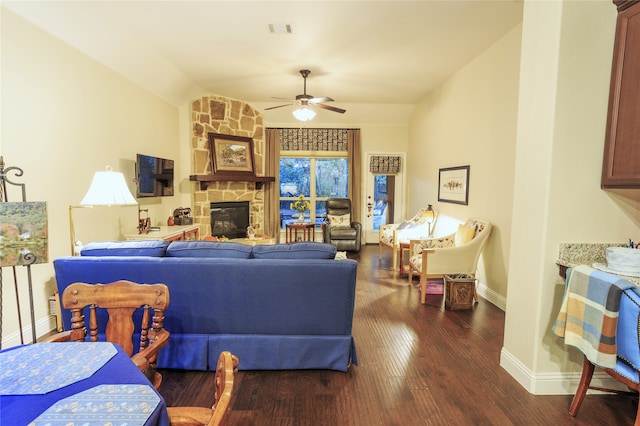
x=304 y=114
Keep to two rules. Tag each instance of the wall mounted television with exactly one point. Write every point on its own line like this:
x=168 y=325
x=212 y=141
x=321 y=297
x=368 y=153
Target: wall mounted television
x=154 y=176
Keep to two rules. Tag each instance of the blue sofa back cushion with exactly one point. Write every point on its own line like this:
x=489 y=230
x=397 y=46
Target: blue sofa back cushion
x=153 y=248
x=304 y=250
x=211 y=249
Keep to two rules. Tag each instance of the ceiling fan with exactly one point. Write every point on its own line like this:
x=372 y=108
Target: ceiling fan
x=308 y=100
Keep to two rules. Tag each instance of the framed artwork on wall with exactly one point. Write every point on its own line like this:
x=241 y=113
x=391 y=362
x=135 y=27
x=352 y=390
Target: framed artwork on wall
x=231 y=154
x=453 y=185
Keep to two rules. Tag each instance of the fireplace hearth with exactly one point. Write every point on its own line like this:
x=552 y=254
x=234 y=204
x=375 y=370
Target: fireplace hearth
x=230 y=219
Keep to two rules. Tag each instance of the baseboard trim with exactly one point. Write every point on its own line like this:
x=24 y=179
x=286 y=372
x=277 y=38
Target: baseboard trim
x=491 y=296
x=43 y=326
x=552 y=383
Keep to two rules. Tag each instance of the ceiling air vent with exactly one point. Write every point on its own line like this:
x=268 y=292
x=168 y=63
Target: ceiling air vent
x=280 y=28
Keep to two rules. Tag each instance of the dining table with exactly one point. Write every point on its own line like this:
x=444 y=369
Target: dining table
x=62 y=383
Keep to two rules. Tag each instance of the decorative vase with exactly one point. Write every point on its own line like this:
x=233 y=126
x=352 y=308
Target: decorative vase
x=300 y=217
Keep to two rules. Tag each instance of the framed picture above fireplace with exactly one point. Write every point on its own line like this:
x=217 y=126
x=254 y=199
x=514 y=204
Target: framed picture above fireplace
x=231 y=154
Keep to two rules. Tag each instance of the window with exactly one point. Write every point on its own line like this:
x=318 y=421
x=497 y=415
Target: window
x=317 y=177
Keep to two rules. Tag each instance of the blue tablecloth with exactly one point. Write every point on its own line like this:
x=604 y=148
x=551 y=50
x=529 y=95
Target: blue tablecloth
x=119 y=370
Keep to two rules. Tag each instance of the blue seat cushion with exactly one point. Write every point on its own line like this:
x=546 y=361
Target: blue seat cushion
x=211 y=249
x=152 y=248
x=304 y=250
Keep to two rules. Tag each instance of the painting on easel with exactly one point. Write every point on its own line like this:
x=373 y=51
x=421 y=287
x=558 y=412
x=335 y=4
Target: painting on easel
x=23 y=233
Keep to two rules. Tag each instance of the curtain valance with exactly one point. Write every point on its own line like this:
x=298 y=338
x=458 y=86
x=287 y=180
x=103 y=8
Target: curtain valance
x=313 y=139
x=384 y=164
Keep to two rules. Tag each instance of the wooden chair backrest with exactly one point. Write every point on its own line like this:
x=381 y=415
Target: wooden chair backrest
x=120 y=299
x=225 y=370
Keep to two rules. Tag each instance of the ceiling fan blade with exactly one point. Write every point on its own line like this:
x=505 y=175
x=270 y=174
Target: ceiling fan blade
x=320 y=100
x=278 y=106
x=331 y=108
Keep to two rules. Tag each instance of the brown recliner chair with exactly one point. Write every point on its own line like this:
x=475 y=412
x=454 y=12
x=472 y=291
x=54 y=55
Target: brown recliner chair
x=339 y=229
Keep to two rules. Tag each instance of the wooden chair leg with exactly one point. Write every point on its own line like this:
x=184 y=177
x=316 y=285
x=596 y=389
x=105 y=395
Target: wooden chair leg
x=379 y=252
x=585 y=381
x=395 y=258
x=423 y=288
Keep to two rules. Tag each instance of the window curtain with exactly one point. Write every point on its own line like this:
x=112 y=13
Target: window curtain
x=355 y=173
x=272 y=191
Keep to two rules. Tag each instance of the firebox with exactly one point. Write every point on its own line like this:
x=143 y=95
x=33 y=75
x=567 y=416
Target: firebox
x=230 y=219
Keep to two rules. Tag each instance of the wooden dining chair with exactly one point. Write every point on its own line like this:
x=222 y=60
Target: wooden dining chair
x=226 y=368
x=120 y=299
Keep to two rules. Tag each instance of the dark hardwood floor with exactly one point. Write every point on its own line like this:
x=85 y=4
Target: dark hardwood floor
x=418 y=365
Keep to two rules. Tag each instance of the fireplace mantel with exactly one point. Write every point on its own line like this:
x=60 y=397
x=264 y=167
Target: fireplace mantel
x=222 y=177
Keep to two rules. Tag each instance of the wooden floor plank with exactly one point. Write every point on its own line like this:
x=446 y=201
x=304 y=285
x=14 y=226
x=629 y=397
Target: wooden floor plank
x=418 y=365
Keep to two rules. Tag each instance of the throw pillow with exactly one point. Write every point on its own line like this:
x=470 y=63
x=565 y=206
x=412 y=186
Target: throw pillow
x=339 y=220
x=464 y=234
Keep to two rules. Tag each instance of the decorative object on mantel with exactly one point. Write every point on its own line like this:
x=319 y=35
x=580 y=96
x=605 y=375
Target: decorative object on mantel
x=107 y=188
x=24 y=244
x=453 y=185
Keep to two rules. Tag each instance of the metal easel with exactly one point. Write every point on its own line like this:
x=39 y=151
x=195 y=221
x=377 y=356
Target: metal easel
x=28 y=258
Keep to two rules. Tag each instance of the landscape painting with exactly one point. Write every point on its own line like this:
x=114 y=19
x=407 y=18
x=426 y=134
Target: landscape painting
x=23 y=233
x=231 y=153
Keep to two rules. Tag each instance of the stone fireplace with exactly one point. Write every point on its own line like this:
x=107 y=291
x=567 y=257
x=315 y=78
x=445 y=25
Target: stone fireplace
x=217 y=114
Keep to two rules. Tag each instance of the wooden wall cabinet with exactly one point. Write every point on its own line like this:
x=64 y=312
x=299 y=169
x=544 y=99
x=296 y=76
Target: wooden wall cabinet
x=621 y=163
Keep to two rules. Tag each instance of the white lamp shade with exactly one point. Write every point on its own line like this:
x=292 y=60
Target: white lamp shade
x=304 y=114
x=108 y=189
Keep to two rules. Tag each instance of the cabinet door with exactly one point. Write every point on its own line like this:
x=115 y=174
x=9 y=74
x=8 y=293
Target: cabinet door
x=621 y=165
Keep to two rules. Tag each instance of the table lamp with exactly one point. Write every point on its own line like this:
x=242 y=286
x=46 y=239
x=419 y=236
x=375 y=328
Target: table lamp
x=430 y=217
x=107 y=188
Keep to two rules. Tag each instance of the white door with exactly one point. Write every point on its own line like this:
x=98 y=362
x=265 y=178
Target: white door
x=383 y=200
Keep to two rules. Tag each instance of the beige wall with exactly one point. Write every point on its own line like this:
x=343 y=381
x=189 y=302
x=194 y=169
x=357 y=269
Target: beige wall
x=471 y=120
x=561 y=124
x=531 y=126
x=64 y=116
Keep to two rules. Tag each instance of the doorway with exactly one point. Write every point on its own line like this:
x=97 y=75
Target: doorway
x=383 y=202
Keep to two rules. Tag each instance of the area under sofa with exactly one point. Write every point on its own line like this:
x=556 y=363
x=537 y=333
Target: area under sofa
x=277 y=307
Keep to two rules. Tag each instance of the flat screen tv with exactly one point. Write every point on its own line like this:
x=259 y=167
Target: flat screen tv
x=154 y=176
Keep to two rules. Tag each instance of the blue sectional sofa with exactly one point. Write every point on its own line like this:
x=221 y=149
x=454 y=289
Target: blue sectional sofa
x=277 y=307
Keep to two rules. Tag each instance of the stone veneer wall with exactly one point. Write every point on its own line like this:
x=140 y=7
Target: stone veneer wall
x=217 y=114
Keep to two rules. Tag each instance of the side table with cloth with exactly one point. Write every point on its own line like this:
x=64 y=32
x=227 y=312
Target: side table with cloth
x=599 y=316
x=34 y=378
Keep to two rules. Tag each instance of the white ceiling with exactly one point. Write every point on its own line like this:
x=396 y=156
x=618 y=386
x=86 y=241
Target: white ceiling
x=359 y=52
